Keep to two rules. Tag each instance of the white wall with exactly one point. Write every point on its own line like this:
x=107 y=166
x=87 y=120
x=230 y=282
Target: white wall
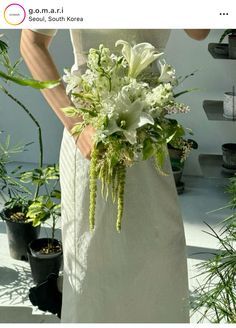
x=214 y=77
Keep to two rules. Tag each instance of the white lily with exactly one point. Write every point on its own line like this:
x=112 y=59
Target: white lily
x=127 y=118
x=139 y=56
x=72 y=79
x=167 y=74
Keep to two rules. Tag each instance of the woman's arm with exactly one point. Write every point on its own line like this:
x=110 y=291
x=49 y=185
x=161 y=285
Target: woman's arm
x=34 y=50
x=198 y=34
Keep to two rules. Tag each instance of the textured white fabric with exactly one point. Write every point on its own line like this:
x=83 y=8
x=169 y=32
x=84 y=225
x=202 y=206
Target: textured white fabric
x=140 y=274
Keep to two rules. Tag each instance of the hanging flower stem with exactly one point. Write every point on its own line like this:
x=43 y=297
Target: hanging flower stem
x=121 y=172
x=93 y=174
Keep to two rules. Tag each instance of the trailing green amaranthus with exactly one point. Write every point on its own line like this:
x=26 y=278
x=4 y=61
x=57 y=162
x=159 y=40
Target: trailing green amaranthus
x=127 y=105
x=93 y=187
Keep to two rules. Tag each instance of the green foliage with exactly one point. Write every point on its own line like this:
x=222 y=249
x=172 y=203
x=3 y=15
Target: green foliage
x=11 y=72
x=46 y=205
x=18 y=203
x=227 y=32
x=215 y=298
x=9 y=181
x=180 y=141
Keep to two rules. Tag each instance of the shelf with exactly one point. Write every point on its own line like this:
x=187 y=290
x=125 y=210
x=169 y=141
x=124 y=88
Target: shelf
x=218 y=50
x=211 y=166
x=214 y=110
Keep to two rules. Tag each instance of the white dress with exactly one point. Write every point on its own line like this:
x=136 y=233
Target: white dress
x=140 y=274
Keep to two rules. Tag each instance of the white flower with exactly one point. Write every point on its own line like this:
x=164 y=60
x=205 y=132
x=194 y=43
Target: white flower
x=139 y=56
x=167 y=74
x=72 y=79
x=127 y=117
x=160 y=95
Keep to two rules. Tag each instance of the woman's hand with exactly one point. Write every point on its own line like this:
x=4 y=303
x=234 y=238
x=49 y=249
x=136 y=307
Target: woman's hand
x=85 y=141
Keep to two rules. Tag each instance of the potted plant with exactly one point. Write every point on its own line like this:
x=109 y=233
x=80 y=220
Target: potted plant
x=19 y=232
x=179 y=148
x=45 y=254
x=231 y=41
x=214 y=299
x=15 y=209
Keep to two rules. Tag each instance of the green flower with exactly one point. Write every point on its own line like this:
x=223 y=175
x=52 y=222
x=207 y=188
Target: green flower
x=139 y=56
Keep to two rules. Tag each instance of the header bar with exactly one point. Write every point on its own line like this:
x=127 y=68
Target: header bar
x=117 y=14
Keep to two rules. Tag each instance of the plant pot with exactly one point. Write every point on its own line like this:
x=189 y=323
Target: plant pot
x=43 y=264
x=177 y=174
x=175 y=157
x=229 y=105
x=229 y=155
x=20 y=234
x=232 y=46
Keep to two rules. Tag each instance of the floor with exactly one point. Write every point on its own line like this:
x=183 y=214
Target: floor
x=201 y=196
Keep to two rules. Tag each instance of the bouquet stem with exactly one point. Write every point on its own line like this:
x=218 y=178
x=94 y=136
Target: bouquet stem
x=121 y=172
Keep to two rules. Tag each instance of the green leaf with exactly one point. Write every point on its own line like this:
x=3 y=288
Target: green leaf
x=30 y=83
x=56 y=194
x=148 y=149
x=35 y=222
x=3 y=47
x=89 y=111
x=185 y=91
x=70 y=111
x=160 y=157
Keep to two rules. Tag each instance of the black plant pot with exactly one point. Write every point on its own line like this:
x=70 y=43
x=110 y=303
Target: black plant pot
x=20 y=234
x=229 y=155
x=43 y=264
x=177 y=174
x=175 y=154
x=232 y=46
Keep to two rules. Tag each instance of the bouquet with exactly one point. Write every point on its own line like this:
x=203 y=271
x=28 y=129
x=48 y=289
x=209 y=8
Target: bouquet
x=127 y=103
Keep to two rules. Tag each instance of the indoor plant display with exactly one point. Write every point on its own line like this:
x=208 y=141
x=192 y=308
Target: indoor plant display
x=15 y=209
x=231 y=41
x=127 y=104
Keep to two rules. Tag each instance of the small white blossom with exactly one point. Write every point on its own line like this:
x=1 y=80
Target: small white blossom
x=72 y=80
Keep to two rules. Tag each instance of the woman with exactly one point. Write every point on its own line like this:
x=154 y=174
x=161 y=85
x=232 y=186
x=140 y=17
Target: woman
x=139 y=275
